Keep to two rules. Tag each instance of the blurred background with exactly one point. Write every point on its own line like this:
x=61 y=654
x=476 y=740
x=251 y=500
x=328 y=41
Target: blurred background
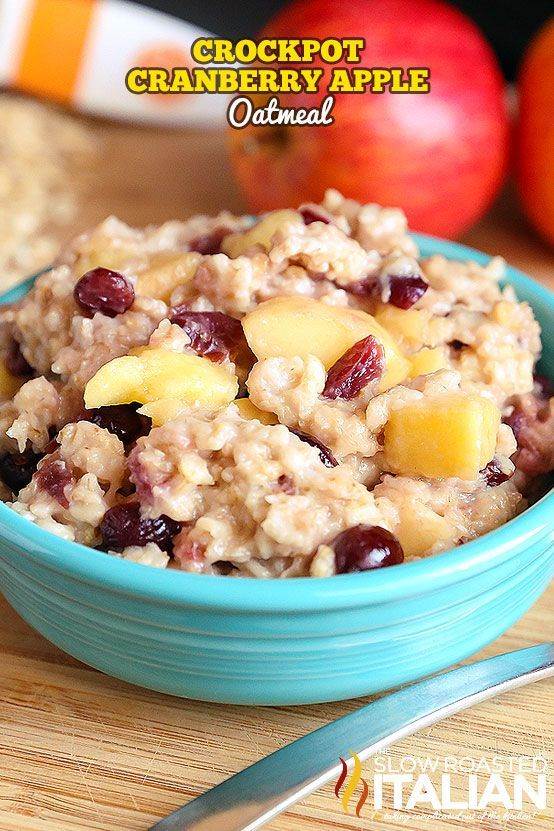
x=471 y=160
x=508 y=24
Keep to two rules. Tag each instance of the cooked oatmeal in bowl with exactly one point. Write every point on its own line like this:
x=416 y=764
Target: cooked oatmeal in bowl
x=300 y=394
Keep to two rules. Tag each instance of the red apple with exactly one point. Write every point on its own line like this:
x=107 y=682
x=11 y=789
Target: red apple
x=535 y=144
x=440 y=155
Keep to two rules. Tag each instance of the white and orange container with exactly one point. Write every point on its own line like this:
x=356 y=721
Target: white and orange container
x=77 y=53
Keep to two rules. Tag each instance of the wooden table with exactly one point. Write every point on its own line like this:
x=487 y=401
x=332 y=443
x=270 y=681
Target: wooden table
x=79 y=750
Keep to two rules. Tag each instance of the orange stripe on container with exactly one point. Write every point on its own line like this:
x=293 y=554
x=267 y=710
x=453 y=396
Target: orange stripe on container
x=53 y=47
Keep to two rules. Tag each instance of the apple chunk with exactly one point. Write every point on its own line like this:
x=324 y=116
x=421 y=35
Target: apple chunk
x=118 y=382
x=249 y=411
x=167 y=271
x=405 y=325
x=428 y=360
x=188 y=378
x=420 y=529
x=163 y=410
x=451 y=435
x=161 y=374
x=234 y=245
x=291 y=326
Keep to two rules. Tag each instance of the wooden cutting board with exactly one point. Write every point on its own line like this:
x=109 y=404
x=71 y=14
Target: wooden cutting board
x=79 y=750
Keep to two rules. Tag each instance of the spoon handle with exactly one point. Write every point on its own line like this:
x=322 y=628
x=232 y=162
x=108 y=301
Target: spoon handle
x=252 y=797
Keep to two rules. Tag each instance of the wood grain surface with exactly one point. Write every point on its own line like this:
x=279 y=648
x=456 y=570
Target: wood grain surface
x=79 y=750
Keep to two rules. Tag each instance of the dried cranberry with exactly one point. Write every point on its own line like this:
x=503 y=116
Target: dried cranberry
x=362 y=363
x=368 y=287
x=213 y=335
x=16 y=469
x=531 y=423
x=365 y=547
x=106 y=291
x=324 y=453
x=406 y=290
x=209 y=243
x=16 y=362
x=123 y=525
x=311 y=213
x=494 y=475
x=122 y=420
x=53 y=477
x=286 y=484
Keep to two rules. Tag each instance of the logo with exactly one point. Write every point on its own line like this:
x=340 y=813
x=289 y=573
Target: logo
x=261 y=70
x=498 y=788
x=354 y=780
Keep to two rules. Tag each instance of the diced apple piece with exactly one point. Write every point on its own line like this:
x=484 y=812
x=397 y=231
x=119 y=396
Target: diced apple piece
x=451 y=435
x=163 y=410
x=259 y=234
x=9 y=384
x=404 y=324
x=166 y=272
x=104 y=256
x=188 y=378
x=427 y=361
x=118 y=382
x=138 y=350
x=290 y=326
x=421 y=529
x=249 y=410
x=161 y=374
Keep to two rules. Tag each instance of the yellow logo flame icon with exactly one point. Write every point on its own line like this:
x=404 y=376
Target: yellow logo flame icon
x=352 y=783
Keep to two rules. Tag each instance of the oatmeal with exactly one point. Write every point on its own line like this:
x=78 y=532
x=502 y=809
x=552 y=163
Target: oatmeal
x=298 y=394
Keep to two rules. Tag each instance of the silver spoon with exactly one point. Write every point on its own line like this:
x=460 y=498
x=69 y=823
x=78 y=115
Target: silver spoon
x=257 y=794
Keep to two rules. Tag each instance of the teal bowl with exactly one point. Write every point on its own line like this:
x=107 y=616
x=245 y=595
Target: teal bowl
x=284 y=642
